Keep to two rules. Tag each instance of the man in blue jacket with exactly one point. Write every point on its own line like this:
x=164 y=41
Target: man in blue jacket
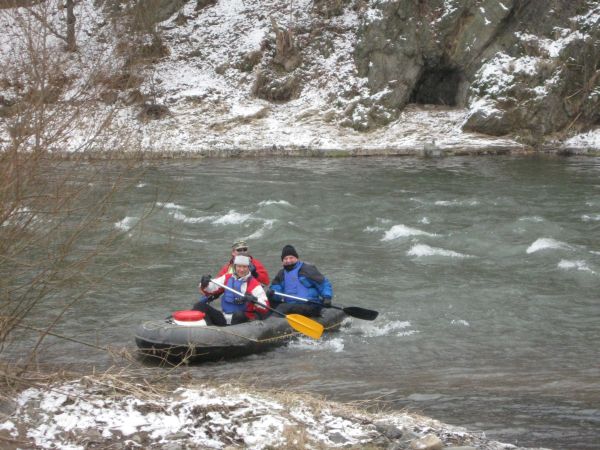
x=302 y=280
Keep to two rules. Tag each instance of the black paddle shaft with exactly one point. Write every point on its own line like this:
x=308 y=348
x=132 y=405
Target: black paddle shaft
x=352 y=311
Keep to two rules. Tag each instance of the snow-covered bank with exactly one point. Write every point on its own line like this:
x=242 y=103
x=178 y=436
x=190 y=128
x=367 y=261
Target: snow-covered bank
x=200 y=95
x=420 y=131
x=96 y=413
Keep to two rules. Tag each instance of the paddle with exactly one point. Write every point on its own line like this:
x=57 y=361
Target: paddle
x=298 y=322
x=354 y=311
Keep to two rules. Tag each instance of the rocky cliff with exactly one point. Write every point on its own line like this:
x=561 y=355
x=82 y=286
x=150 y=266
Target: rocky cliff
x=529 y=67
x=384 y=76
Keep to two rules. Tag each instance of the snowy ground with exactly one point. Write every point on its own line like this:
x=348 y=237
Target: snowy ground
x=97 y=413
x=208 y=92
x=215 y=113
x=212 y=110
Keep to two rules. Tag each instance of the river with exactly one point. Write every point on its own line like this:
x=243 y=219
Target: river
x=485 y=271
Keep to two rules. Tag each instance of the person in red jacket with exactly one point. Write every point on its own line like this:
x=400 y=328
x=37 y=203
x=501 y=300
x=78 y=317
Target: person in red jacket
x=257 y=269
x=252 y=304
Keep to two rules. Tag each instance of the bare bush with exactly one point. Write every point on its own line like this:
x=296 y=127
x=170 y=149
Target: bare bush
x=287 y=54
x=270 y=86
x=54 y=204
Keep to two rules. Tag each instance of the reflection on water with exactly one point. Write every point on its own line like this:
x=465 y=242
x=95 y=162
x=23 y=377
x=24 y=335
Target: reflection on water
x=486 y=272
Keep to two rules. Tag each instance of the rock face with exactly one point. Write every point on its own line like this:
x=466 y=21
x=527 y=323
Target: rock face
x=524 y=71
x=529 y=67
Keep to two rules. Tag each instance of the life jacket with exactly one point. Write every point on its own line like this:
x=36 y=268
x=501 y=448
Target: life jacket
x=293 y=286
x=228 y=304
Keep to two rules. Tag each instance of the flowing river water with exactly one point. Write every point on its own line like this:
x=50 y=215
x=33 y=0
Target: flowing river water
x=485 y=271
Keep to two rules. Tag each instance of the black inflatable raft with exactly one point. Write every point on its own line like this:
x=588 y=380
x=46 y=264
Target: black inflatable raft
x=167 y=340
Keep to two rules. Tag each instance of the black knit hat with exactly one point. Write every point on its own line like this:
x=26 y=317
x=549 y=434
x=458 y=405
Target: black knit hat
x=287 y=251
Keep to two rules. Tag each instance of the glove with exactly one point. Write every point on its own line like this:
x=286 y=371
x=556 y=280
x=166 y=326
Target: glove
x=270 y=294
x=327 y=302
x=253 y=271
x=205 y=280
x=245 y=299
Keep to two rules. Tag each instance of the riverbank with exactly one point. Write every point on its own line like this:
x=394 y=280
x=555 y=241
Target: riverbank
x=421 y=131
x=124 y=412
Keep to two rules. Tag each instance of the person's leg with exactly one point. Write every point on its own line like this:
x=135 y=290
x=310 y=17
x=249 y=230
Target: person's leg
x=239 y=317
x=213 y=315
x=294 y=308
x=198 y=306
x=261 y=316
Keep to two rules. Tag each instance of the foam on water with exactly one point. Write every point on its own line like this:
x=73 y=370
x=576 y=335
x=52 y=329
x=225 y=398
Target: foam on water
x=169 y=205
x=590 y=218
x=422 y=250
x=397 y=327
x=335 y=345
x=547 y=243
x=19 y=217
x=177 y=215
x=531 y=219
x=126 y=224
x=456 y=203
x=274 y=202
x=268 y=224
x=231 y=218
x=401 y=231
x=407 y=333
x=574 y=265
x=460 y=322
x=374 y=229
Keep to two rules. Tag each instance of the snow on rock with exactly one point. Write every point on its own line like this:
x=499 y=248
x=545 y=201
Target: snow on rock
x=205 y=87
x=584 y=141
x=204 y=83
x=98 y=413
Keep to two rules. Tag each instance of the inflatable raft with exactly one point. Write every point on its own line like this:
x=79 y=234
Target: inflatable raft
x=184 y=338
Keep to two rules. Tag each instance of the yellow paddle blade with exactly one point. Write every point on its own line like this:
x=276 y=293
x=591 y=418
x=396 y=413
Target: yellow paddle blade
x=305 y=325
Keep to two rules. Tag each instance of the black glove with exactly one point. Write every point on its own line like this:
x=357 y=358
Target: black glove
x=250 y=298
x=205 y=280
x=326 y=302
x=270 y=294
x=253 y=271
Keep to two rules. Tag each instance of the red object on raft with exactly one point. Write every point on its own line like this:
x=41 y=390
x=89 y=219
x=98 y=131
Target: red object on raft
x=188 y=315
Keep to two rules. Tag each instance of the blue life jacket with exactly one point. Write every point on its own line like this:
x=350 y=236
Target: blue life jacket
x=227 y=301
x=292 y=285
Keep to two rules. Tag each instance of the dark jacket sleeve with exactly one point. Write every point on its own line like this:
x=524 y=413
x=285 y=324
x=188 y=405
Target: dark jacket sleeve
x=260 y=273
x=319 y=281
